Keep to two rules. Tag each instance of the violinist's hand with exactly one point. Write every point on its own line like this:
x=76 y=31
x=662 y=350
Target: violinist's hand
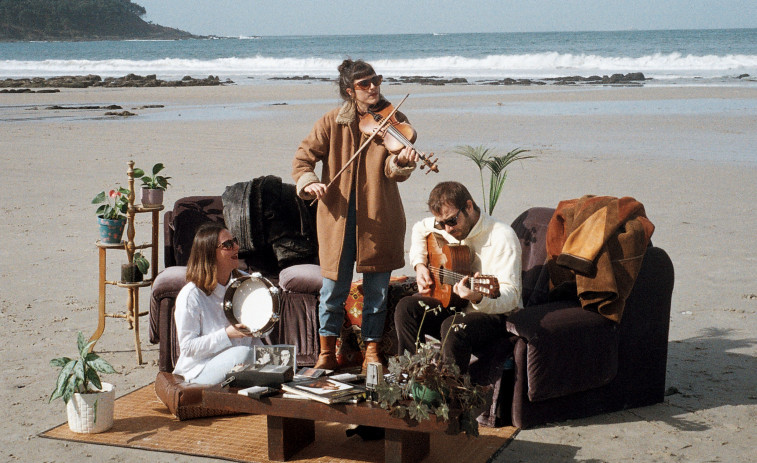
x=423 y=279
x=316 y=189
x=237 y=331
x=406 y=156
x=461 y=289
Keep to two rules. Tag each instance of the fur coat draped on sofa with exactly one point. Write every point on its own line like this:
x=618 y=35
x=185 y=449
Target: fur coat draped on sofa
x=598 y=243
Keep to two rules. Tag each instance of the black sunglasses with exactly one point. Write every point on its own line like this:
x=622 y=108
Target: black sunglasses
x=452 y=221
x=365 y=84
x=229 y=244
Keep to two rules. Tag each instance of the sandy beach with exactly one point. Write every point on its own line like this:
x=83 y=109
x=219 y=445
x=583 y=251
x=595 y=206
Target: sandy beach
x=687 y=153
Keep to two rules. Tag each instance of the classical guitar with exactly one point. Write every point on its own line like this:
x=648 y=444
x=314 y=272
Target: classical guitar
x=450 y=263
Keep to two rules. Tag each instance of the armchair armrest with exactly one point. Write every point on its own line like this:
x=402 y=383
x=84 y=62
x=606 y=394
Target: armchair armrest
x=165 y=288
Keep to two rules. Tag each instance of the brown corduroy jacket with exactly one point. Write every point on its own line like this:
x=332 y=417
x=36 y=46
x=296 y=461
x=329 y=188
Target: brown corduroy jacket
x=599 y=242
x=373 y=176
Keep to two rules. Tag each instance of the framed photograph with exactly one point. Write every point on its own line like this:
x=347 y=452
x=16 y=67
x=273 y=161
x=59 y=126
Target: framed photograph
x=277 y=355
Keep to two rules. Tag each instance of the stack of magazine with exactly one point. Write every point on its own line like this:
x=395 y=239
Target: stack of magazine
x=324 y=389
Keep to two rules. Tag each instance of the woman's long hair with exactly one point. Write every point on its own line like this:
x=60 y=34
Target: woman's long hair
x=202 y=268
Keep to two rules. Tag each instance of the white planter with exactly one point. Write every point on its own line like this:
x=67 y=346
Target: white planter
x=152 y=197
x=92 y=412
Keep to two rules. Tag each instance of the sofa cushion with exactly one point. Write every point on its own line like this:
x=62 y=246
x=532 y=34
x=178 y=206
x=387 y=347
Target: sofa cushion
x=569 y=349
x=301 y=278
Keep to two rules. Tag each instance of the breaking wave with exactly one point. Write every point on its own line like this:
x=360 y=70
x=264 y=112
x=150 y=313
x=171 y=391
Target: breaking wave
x=537 y=65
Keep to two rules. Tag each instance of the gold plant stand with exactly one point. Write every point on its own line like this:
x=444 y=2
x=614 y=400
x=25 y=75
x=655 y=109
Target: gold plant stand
x=132 y=312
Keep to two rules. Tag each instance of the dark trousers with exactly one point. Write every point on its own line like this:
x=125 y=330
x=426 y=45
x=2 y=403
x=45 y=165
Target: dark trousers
x=479 y=331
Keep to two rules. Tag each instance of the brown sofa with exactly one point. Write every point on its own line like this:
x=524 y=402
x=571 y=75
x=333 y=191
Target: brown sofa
x=299 y=283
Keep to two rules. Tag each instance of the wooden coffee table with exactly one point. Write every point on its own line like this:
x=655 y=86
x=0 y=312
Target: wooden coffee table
x=291 y=423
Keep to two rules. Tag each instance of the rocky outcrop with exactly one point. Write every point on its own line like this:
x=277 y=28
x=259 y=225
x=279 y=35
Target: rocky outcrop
x=633 y=77
x=91 y=80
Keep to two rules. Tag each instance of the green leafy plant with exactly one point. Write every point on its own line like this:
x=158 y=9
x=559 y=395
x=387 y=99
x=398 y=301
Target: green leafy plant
x=156 y=182
x=142 y=263
x=115 y=201
x=497 y=165
x=79 y=374
x=425 y=383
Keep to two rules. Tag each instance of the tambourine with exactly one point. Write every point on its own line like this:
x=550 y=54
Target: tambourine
x=253 y=301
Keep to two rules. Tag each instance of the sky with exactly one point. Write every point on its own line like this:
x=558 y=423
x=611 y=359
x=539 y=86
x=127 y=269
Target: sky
x=235 y=18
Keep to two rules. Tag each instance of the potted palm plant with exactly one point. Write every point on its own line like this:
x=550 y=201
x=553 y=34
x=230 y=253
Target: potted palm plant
x=152 y=186
x=132 y=272
x=111 y=214
x=89 y=402
x=425 y=383
x=497 y=165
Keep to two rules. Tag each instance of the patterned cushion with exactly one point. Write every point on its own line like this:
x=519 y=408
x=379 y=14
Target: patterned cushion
x=350 y=345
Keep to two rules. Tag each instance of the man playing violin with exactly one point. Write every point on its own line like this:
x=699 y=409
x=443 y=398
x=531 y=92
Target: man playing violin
x=478 y=313
x=360 y=218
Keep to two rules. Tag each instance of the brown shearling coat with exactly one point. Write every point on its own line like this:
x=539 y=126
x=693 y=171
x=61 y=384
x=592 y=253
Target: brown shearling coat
x=373 y=176
x=599 y=243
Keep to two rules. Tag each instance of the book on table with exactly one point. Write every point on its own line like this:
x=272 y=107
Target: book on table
x=325 y=389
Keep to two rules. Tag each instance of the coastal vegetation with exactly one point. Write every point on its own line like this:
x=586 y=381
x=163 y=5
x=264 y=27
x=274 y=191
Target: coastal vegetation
x=24 y=20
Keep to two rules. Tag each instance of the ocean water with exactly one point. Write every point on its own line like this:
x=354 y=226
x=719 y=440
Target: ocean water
x=670 y=57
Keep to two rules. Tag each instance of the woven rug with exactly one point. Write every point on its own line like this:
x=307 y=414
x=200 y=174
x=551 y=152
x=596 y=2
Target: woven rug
x=141 y=421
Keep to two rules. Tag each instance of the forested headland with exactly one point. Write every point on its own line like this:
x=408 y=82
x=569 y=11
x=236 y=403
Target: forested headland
x=23 y=20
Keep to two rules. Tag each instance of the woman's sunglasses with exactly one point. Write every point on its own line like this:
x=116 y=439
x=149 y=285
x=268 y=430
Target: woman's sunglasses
x=452 y=221
x=229 y=244
x=365 y=84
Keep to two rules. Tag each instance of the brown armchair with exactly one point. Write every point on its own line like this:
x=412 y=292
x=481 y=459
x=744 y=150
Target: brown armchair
x=568 y=362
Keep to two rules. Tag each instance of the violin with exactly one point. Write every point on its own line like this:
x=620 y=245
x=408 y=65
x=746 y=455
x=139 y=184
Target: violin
x=395 y=135
x=383 y=124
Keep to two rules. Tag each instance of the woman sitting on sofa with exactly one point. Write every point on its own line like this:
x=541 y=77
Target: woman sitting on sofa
x=209 y=345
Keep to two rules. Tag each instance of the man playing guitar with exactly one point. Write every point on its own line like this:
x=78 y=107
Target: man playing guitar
x=444 y=273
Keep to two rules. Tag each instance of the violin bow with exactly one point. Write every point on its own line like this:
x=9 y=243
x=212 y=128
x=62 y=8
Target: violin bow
x=357 y=152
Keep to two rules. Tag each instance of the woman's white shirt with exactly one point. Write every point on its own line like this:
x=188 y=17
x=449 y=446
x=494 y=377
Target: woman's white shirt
x=201 y=329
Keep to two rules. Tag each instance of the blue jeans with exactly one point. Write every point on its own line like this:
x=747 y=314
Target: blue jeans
x=216 y=368
x=334 y=293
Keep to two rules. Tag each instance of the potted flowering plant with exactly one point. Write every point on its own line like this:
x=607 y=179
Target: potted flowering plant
x=424 y=383
x=111 y=214
x=89 y=402
x=152 y=186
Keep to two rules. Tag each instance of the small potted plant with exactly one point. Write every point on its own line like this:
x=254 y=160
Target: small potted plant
x=152 y=187
x=111 y=214
x=133 y=271
x=426 y=383
x=89 y=402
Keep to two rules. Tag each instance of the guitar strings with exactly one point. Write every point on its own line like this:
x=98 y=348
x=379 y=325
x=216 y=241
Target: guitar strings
x=442 y=272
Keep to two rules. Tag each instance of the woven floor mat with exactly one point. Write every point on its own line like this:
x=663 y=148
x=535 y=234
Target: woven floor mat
x=142 y=421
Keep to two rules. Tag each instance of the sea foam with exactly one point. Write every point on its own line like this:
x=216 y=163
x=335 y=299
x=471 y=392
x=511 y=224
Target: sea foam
x=535 y=65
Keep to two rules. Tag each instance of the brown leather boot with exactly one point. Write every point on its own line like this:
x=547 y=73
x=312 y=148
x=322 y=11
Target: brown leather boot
x=327 y=357
x=372 y=355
